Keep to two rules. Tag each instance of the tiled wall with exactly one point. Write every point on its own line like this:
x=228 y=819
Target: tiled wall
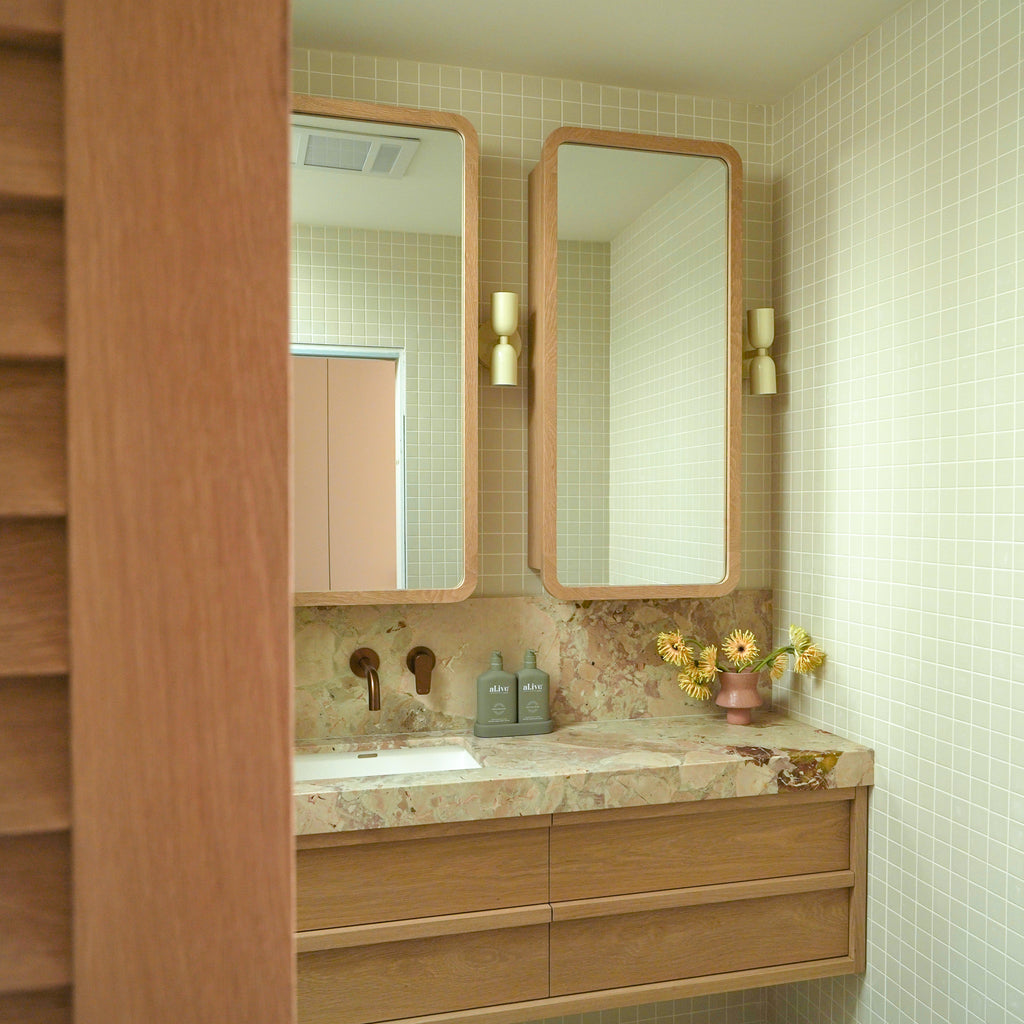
x=667 y=410
x=584 y=323
x=513 y=114
x=900 y=294
x=398 y=290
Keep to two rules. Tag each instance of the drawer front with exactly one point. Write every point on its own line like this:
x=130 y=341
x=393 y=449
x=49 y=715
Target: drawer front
x=389 y=881
x=668 y=945
x=422 y=976
x=676 y=851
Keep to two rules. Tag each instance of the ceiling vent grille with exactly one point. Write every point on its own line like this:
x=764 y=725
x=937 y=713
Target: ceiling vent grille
x=383 y=156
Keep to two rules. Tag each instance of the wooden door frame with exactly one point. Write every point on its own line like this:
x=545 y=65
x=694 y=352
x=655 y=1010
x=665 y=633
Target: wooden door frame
x=179 y=563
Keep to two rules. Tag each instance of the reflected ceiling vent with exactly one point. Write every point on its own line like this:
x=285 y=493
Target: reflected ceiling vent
x=385 y=156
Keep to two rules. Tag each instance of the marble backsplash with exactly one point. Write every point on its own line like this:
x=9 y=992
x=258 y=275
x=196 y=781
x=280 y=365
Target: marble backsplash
x=600 y=656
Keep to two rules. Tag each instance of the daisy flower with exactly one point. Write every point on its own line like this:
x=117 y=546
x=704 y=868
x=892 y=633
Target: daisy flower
x=694 y=687
x=672 y=648
x=740 y=647
x=798 y=639
x=809 y=658
x=706 y=667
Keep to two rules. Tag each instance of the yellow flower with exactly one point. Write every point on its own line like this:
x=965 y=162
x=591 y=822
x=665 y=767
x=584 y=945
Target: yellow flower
x=694 y=687
x=809 y=658
x=740 y=647
x=706 y=668
x=799 y=639
x=672 y=648
x=778 y=666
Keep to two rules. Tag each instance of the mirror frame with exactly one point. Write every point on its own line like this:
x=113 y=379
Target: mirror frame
x=358 y=111
x=543 y=434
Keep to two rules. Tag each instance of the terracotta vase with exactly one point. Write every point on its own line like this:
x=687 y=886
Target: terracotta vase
x=738 y=694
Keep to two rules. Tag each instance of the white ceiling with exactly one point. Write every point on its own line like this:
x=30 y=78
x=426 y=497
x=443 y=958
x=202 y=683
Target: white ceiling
x=593 y=205
x=752 y=50
x=428 y=198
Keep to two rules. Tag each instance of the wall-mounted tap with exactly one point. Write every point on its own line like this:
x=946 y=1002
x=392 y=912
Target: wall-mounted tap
x=421 y=662
x=364 y=663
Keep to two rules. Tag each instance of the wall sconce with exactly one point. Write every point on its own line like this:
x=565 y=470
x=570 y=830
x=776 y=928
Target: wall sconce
x=500 y=343
x=761 y=334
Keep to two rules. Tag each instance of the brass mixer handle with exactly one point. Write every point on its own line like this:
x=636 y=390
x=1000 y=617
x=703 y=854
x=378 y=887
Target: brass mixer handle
x=421 y=661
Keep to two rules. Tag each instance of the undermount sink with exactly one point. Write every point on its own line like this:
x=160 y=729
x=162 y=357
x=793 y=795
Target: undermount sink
x=348 y=764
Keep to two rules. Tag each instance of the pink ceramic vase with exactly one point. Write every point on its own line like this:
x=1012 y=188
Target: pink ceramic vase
x=738 y=694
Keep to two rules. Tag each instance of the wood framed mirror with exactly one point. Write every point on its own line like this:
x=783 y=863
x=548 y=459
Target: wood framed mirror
x=635 y=327
x=384 y=353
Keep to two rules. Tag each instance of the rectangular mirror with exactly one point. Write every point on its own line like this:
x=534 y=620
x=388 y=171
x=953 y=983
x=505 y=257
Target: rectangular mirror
x=635 y=366
x=384 y=354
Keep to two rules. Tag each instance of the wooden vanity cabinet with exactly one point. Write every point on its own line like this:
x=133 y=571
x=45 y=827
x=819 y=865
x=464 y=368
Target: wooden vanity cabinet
x=501 y=921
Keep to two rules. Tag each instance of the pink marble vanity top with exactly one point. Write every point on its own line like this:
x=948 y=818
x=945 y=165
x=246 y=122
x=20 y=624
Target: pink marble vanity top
x=586 y=767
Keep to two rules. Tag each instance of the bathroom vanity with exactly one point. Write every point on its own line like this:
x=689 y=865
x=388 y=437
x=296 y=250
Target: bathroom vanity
x=604 y=865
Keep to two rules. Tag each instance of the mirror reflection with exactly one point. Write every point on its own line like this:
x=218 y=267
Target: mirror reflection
x=643 y=368
x=377 y=343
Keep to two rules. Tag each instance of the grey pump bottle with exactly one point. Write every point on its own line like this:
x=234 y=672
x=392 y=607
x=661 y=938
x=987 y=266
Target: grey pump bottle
x=496 y=695
x=533 y=687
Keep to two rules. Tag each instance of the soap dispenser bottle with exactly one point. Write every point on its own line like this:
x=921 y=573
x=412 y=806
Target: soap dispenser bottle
x=533 y=688
x=496 y=695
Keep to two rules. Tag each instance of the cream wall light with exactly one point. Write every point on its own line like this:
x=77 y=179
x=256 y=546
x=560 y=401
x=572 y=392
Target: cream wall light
x=500 y=342
x=761 y=334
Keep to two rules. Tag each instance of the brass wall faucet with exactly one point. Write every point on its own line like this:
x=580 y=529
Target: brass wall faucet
x=364 y=663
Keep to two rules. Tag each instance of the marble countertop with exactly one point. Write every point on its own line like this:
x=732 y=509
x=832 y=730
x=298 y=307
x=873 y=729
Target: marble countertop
x=584 y=767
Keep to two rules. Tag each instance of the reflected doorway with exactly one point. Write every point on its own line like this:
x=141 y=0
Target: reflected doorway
x=348 y=475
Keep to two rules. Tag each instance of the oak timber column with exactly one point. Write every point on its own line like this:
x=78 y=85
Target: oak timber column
x=177 y=263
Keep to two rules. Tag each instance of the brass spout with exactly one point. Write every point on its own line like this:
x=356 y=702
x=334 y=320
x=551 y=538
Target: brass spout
x=364 y=663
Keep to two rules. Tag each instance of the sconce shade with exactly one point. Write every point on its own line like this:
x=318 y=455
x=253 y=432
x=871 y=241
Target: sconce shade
x=504 y=365
x=761 y=327
x=762 y=374
x=504 y=313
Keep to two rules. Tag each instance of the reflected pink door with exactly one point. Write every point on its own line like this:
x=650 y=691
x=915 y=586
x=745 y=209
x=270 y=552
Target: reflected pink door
x=345 y=451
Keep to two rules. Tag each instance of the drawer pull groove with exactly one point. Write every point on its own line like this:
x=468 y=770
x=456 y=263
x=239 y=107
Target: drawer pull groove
x=421 y=928
x=700 y=895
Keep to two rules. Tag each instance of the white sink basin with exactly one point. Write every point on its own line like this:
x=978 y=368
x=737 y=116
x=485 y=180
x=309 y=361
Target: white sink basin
x=349 y=764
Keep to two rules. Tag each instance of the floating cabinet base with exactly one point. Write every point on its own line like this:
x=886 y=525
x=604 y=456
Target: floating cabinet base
x=614 y=911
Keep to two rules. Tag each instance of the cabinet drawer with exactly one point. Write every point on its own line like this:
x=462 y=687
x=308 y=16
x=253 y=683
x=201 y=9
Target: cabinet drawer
x=698 y=844
x=422 y=976
x=638 y=949
x=394 y=878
